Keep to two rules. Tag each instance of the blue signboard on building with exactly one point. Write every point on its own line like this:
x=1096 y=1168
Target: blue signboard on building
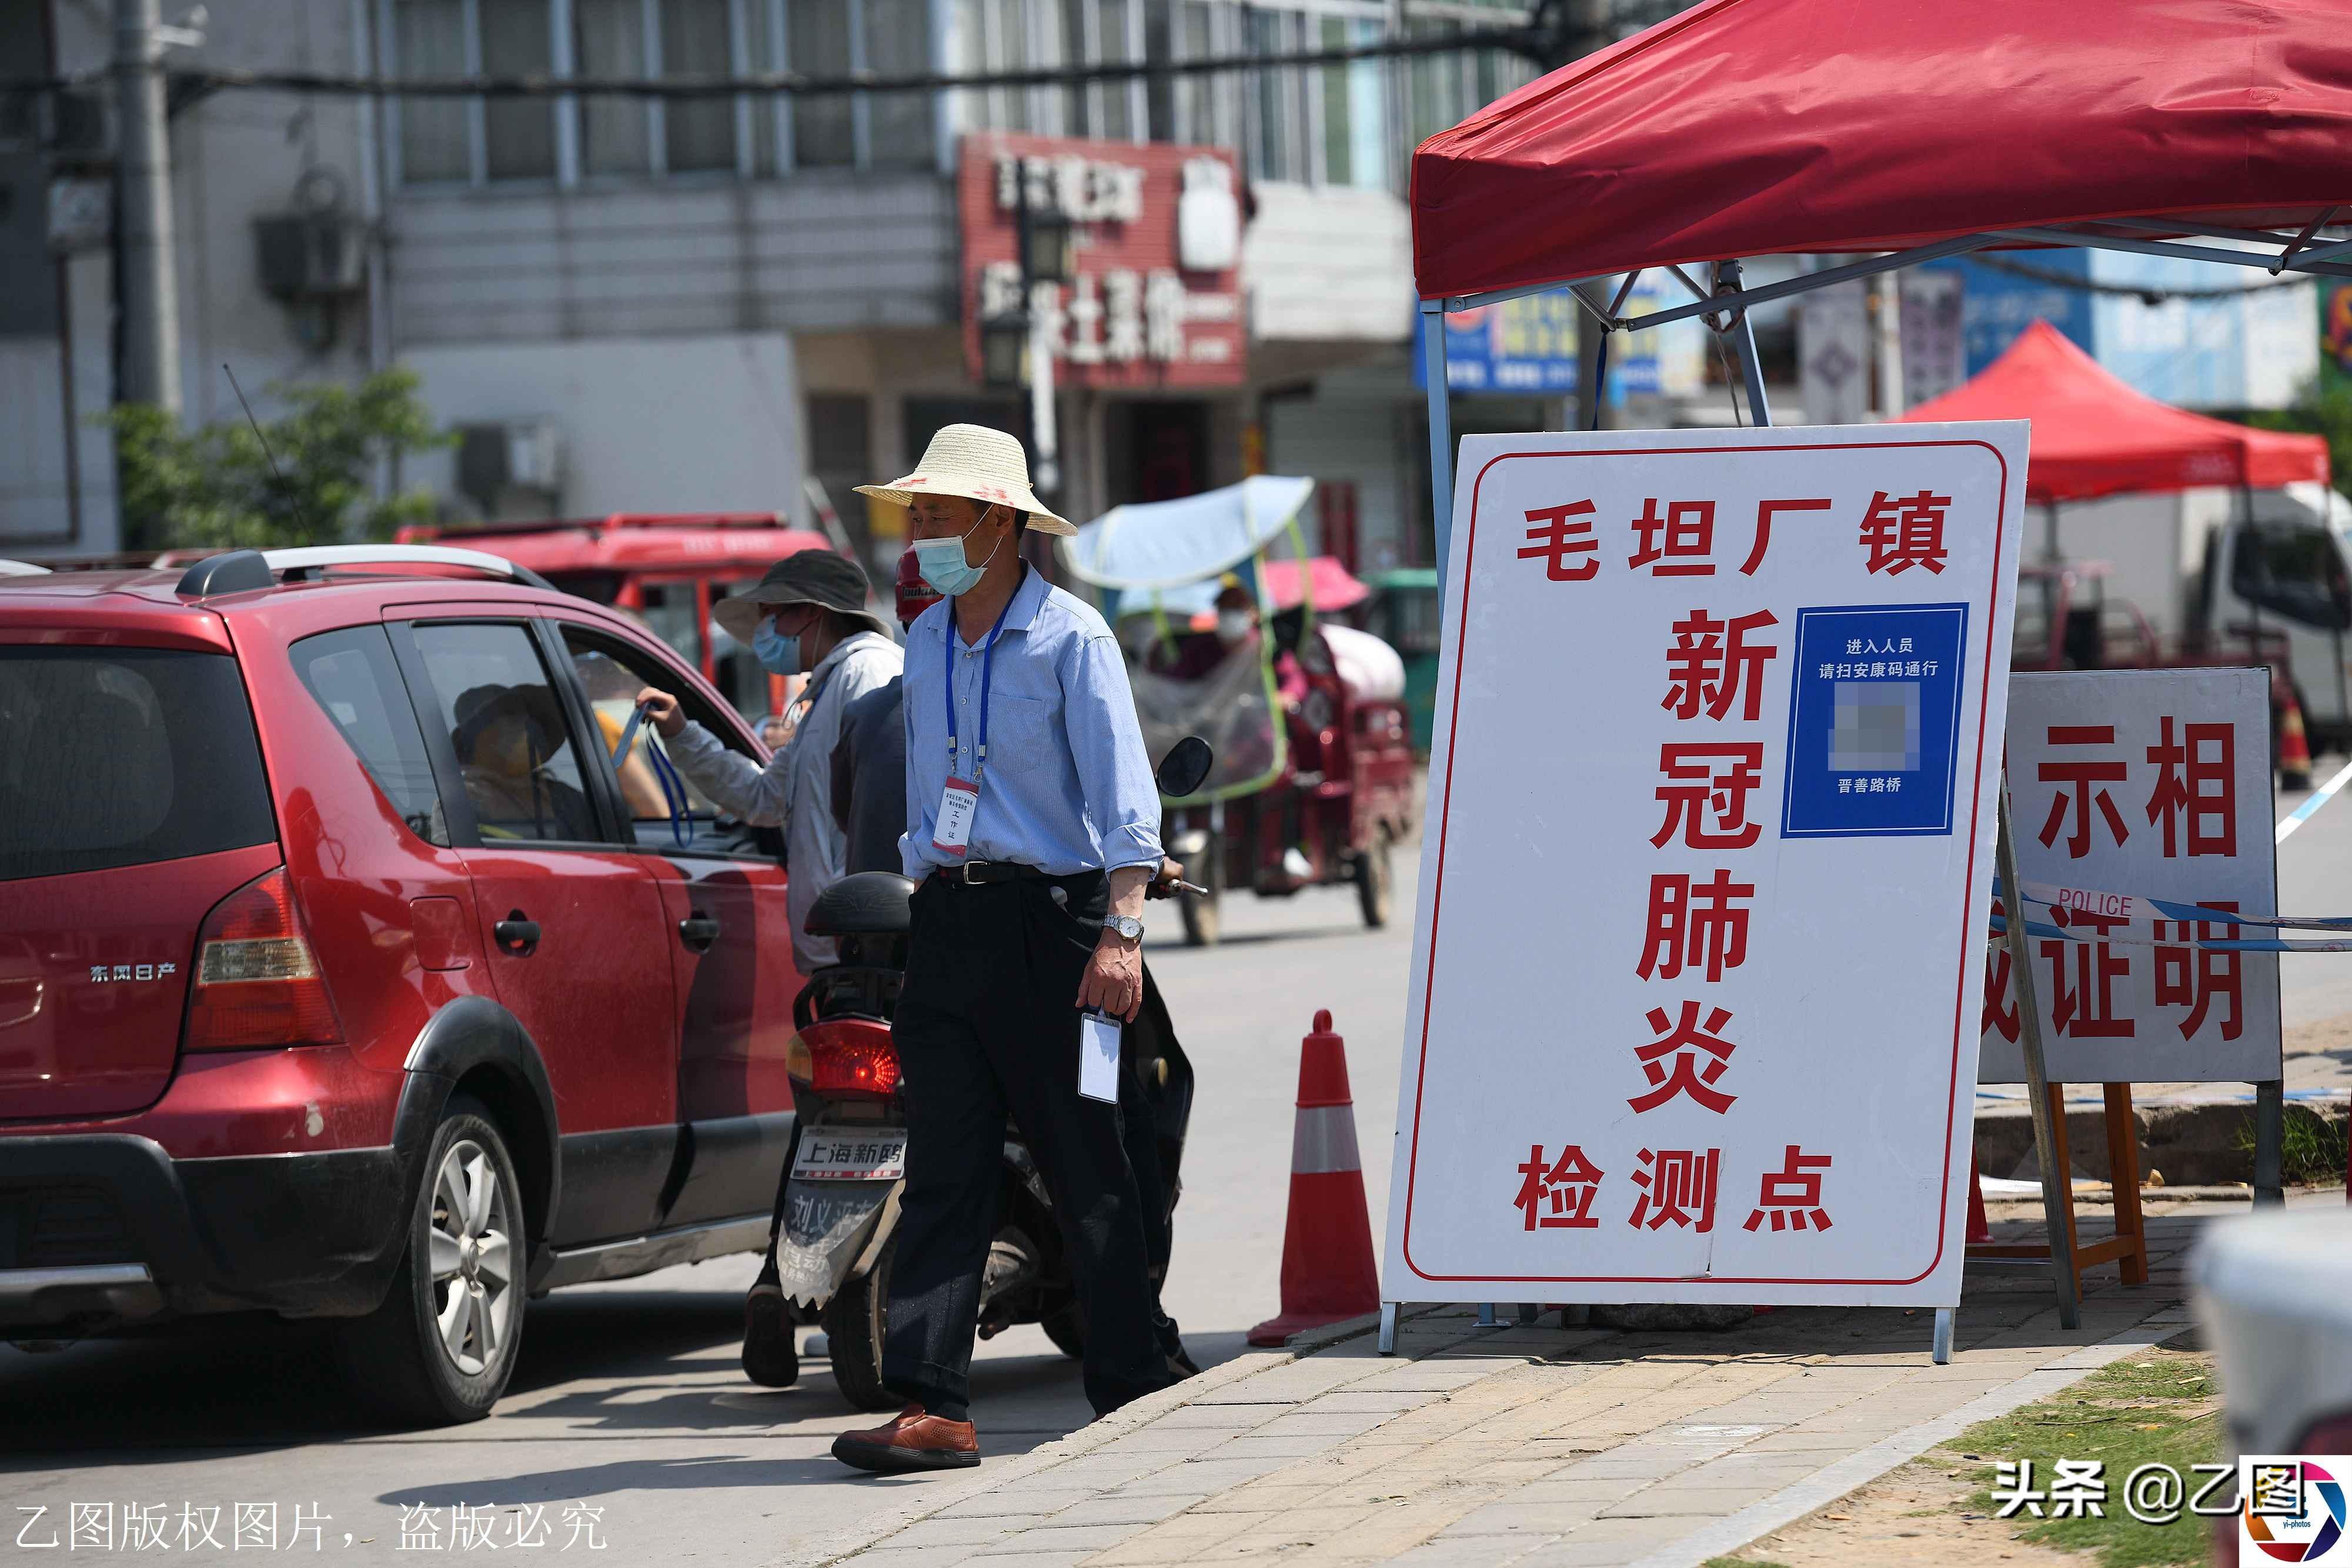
x=1997 y=305
x=1874 y=721
x=1525 y=345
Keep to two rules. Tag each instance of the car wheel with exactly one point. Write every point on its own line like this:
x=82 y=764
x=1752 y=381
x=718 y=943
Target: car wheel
x=440 y=1348
x=857 y=1323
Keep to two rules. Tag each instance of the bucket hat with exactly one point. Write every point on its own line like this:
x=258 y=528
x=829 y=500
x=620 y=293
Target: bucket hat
x=816 y=577
x=978 y=464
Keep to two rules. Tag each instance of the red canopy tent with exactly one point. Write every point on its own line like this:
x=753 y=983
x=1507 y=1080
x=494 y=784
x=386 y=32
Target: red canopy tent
x=2094 y=435
x=1754 y=127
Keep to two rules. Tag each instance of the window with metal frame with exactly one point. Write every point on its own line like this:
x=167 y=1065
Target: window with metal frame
x=490 y=693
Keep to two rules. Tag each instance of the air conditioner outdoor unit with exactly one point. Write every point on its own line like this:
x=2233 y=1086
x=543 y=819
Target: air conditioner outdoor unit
x=511 y=469
x=312 y=256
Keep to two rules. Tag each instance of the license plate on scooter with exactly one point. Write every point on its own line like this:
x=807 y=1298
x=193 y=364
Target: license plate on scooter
x=878 y=1154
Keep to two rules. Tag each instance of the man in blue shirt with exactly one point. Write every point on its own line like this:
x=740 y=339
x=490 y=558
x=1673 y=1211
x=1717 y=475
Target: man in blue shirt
x=1033 y=830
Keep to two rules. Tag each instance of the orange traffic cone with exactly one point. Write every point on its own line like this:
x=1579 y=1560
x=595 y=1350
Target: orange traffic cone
x=1980 y=1229
x=1327 y=1272
x=2294 y=749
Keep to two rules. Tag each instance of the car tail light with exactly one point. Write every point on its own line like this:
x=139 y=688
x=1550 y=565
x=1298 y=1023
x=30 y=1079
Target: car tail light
x=258 y=978
x=839 y=1061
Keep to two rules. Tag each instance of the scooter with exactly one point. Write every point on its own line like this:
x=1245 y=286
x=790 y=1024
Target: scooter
x=839 y=1235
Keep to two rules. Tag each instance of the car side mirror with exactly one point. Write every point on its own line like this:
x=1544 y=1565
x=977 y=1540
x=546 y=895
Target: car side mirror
x=1185 y=768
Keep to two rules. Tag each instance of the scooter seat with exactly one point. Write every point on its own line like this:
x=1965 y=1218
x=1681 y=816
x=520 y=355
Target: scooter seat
x=862 y=903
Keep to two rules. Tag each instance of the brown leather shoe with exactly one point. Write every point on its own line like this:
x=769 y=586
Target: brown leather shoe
x=914 y=1441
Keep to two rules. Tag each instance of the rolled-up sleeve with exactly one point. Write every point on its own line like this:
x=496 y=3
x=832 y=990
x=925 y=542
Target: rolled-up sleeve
x=739 y=786
x=1107 y=744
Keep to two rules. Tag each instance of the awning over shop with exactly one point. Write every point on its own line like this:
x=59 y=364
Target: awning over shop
x=2094 y=435
x=1746 y=128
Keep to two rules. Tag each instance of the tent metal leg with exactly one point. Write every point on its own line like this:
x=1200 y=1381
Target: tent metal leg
x=1441 y=429
x=1387 y=1328
x=1943 y=1345
x=1487 y=1318
x=1751 y=369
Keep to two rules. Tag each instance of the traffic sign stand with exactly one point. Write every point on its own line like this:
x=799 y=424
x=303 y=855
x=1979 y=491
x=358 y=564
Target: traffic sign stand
x=2048 y=1129
x=2128 y=1248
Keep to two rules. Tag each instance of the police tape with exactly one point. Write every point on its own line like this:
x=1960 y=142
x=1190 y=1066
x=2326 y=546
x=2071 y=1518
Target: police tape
x=2138 y=907
x=2202 y=944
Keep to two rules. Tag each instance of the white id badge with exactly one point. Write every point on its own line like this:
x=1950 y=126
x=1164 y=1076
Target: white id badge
x=951 y=830
x=1099 y=1056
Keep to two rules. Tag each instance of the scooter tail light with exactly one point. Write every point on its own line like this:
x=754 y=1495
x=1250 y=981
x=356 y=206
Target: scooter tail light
x=259 y=981
x=862 y=1063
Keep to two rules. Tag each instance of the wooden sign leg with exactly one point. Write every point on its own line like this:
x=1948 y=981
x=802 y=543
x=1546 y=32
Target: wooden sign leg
x=2123 y=1174
x=2057 y=1190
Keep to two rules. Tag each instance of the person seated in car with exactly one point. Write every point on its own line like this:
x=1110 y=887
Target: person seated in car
x=504 y=736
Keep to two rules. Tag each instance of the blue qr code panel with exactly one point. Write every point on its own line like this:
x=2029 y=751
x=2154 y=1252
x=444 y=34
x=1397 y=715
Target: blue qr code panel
x=1874 y=720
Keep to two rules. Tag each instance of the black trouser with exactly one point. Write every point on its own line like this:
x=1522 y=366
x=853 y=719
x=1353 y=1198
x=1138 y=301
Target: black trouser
x=988 y=1023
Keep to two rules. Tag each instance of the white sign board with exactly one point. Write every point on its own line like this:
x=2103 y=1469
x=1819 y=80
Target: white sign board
x=2155 y=784
x=1699 y=956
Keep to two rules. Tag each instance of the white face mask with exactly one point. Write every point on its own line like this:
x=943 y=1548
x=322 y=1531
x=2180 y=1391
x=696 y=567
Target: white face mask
x=1234 y=626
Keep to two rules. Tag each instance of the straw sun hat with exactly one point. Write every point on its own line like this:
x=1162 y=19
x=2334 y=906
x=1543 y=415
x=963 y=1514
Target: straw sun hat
x=978 y=464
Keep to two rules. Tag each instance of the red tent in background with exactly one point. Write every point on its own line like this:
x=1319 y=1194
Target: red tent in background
x=2094 y=435
x=1746 y=128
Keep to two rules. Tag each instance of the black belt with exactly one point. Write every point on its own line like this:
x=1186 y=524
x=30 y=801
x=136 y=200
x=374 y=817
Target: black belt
x=985 y=873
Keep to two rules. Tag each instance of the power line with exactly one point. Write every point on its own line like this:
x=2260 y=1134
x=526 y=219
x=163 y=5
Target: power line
x=796 y=84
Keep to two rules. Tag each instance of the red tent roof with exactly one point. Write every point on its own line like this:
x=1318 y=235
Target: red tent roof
x=2094 y=435
x=1336 y=588
x=1754 y=127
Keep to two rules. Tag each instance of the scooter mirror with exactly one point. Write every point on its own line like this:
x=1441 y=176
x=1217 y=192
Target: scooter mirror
x=1185 y=767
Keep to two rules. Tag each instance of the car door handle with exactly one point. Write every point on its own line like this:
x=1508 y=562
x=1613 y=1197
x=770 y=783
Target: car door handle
x=517 y=935
x=699 y=931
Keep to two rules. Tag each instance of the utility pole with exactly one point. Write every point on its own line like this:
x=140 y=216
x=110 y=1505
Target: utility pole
x=150 y=311
x=1888 y=295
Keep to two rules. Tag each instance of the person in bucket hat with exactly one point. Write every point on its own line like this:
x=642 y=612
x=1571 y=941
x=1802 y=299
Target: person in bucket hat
x=807 y=614
x=1032 y=831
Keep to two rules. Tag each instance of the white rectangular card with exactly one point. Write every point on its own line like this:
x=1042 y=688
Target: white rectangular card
x=1098 y=1057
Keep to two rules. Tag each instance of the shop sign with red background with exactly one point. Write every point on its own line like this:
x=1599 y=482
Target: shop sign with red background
x=1155 y=301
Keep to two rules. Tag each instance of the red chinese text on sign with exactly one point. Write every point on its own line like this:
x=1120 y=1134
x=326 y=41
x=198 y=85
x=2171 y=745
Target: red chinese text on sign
x=2198 y=780
x=1685 y=1044
x=2085 y=1005
x=1563 y=541
x=2193 y=978
x=1687 y=546
x=2087 y=778
x=1559 y=1196
x=1902 y=534
x=1791 y=1197
x=1696 y=788
x=1695 y=923
x=1678 y=1188
x=1710 y=661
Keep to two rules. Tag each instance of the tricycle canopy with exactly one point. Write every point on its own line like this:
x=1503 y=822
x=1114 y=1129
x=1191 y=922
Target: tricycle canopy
x=1169 y=544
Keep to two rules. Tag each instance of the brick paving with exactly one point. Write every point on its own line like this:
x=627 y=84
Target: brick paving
x=1530 y=1444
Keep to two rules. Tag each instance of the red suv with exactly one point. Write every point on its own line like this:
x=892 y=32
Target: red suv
x=343 y=974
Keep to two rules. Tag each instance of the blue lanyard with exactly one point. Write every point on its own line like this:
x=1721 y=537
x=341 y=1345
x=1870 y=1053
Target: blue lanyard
x=987 y=663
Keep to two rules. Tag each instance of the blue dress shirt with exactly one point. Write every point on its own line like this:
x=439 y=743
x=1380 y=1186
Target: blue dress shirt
x=1068 y=786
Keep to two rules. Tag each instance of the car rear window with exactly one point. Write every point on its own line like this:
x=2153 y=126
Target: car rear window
x=352 y=674
x=119 y=756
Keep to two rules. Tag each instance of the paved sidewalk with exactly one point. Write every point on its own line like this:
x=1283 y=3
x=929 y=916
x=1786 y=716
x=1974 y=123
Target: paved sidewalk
x=1530 y=1445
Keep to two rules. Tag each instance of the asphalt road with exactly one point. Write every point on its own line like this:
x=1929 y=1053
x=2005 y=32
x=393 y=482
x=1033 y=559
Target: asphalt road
x=627 y=1398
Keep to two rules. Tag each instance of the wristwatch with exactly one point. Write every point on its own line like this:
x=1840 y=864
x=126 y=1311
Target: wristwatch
x=1126 y=926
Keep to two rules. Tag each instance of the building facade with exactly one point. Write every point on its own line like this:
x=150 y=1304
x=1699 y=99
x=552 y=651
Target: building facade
x=644 y=304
